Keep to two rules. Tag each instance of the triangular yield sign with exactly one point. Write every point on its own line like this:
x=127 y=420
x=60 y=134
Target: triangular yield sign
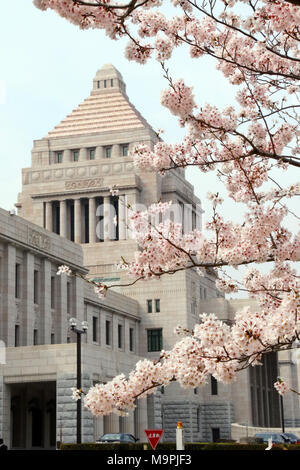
x=154 y=436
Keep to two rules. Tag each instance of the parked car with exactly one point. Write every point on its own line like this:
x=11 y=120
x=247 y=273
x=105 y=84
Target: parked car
x=279 y=438
x=292 y=438
x=117 y=437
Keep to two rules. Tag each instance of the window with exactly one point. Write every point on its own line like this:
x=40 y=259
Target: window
x=98 y=84
x=111 y=83
x=108 y=152
x=36 y=287
x=104 y=83
x=214 y=385
x=131 y=339
x=193 y=308
x=92 y=154
x=195 y=391
x=75 y=155
x=95 y=329
x=17 y=280
x=58 y=157
x=157 y=305
x=149 y=306
x=17 y=335
x=125 y=150
x=215 y=434
x=52 y=338
x=52 y=292
x=198 y=420
x=154 y=340
x=35 y=337
x=68 y=339
x=107 y=333
x=120 y=336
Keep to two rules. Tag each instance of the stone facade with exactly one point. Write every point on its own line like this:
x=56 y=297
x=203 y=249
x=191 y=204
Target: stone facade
x=72 y=218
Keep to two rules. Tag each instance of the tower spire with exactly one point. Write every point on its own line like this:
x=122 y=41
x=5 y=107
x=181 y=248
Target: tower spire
x=108 y=79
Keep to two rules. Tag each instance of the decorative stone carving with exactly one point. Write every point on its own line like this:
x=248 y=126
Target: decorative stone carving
x=39 y=240
x=84 y=184
x=81 y=171
x=35 y=176
x=70 y=172
x=94 y=171
x=105 y=168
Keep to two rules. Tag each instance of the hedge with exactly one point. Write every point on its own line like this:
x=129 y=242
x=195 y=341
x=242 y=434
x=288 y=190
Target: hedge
x=171 y=446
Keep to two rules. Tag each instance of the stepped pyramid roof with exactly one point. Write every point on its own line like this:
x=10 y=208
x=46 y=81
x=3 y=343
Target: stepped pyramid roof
x=106 y=109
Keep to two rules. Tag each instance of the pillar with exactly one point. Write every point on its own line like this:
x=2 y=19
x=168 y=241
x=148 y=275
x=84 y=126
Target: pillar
x=7 y=324
x=122 y=217
x=106 y=214
x=67 y=156
x=83 y=154
x=61 y=327
x=187 y=218
x=49 y=217
x=115 y=151
x=77 y=220
x=99 y=153
x=27 y=324
x=92 y=220
x=131 y=200
x=63 y=218
x=45 y=301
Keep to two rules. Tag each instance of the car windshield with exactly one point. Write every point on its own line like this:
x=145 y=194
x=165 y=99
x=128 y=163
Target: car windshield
x=111 y=437
x=289 y=435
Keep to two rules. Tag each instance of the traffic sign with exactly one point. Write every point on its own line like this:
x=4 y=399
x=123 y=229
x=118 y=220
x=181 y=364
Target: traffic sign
x=154 y=436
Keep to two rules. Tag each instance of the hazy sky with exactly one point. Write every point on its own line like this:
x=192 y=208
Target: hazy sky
x=47 y=68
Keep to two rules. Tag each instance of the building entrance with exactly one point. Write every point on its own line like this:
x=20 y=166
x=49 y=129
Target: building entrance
x=33 y=415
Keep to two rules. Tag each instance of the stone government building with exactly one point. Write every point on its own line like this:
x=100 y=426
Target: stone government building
x=64 y=214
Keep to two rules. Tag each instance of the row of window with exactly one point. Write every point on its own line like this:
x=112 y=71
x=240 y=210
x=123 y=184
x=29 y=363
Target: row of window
x=37 y=288
x=92 y=153
x=35 y=337
x=108 y=334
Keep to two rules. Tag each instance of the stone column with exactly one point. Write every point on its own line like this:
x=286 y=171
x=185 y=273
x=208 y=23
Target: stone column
x=131 y=200
x=63 y=218
x=61 y=327
x=122 y=217
x=46 y=318
x=187 y=218
x=115 y=151
x=77 y=220
x=143 y=417
x=7 y=289
x=27 y=324
x=49 y=218
x=92 y=220
x=112 y=423
x=106 y=214
x=99 y=153
x=67 y=156
x=83 y=154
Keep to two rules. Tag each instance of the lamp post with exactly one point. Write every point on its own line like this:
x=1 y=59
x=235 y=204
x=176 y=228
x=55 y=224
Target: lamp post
x=282 y=414
x=73 y=325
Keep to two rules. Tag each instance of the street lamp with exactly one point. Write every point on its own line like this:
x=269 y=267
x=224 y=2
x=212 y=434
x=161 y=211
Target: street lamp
x=282 y=414
x=84 y=325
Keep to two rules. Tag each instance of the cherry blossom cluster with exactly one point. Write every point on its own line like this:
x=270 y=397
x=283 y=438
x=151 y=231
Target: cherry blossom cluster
x=255 y=45
x=64 y=270
x=281 y=387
